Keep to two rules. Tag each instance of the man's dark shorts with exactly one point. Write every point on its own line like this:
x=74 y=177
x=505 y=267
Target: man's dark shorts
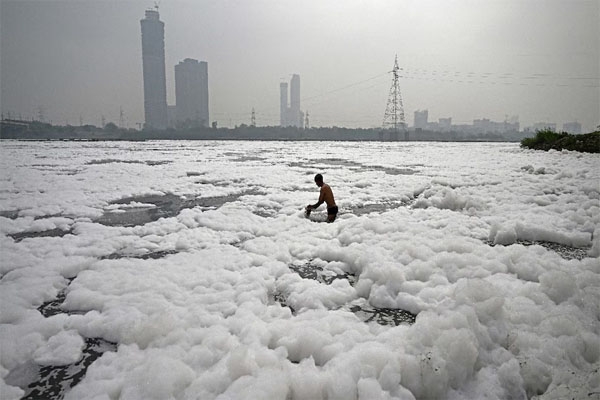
x=332 y=210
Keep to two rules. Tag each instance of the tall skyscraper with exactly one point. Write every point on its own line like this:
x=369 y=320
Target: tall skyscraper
x=292 y=115
x=295 y=100
x=296 y=116
x=153 y=57
x=191 y=92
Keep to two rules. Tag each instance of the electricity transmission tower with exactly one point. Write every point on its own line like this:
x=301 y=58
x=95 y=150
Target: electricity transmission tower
x=121 y=117
x=40 y=113
x=394 y=112
x=253 y=118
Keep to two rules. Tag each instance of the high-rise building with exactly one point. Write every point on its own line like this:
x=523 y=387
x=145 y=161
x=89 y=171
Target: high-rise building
x=191 y=92
x=421 y=118
x=296 y=116
x=153 y=58
x=292 y=115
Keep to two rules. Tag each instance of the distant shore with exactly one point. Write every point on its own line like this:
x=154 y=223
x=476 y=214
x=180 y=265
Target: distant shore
x=42 y=131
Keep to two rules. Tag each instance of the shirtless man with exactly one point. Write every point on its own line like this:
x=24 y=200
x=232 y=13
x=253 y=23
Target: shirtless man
x=326 y=196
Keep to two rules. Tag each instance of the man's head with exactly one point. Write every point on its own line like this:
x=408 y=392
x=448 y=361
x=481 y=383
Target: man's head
x=319 y=180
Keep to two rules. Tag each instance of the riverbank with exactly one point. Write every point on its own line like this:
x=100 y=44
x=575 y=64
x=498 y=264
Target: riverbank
x=547 y=140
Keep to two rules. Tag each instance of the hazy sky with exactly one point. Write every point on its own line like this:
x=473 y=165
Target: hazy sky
x=465 y=59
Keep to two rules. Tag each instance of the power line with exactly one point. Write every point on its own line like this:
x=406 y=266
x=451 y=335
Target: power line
x=499 y=78
x=307 y=99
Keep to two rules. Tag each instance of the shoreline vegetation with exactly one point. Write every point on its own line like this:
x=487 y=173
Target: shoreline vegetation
x=35 y=130
x=550 y=140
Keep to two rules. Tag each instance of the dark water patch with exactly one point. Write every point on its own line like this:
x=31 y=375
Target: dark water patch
x=336 y=162
x=312 y=271
x=111 y=161
x=53 y=307
x=56 y=232
x=165 y=206
x=392 y=170
x=194 y=173
x=56 y=169
x=155 y=255
x=10 y=214
x=248 y=158
x=68 y=172
x=218 y=201
x=38 y=217
x=114 y=160
x=281 y=299
x=220 y=183
x=53 y=382
x=566 y=252
x=159 y=162
x=383 y=316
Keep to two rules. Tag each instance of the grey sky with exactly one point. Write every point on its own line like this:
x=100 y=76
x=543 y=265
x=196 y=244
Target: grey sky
x=466 y=59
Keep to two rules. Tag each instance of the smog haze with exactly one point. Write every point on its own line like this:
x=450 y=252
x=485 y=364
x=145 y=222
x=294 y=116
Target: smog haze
x=80 y=60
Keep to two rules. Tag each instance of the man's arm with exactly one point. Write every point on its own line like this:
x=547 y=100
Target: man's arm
x=318 y=203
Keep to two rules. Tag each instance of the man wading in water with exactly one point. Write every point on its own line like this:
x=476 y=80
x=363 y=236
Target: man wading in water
x=326 y=196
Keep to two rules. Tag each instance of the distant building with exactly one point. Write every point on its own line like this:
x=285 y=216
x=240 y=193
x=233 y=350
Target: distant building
x=445 y=124
x=433 y=126
x=540 y=126
x=296 y=117
x=292 y=115
x=421 y=118
x=572 y=127
x=191 y=92
x=153 y=60
x=485 y=125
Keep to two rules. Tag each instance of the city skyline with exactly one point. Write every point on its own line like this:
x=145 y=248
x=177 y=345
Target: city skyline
x=466 y=60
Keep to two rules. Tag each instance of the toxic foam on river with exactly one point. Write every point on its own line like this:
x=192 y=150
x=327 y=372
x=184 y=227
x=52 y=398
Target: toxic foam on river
x=185 y=255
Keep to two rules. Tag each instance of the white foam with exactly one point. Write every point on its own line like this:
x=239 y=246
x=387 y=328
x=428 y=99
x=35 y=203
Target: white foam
x=503 y=321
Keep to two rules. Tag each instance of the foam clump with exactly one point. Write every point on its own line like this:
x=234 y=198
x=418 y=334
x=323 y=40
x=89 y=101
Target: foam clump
x=61 y=349
x=447 y=199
